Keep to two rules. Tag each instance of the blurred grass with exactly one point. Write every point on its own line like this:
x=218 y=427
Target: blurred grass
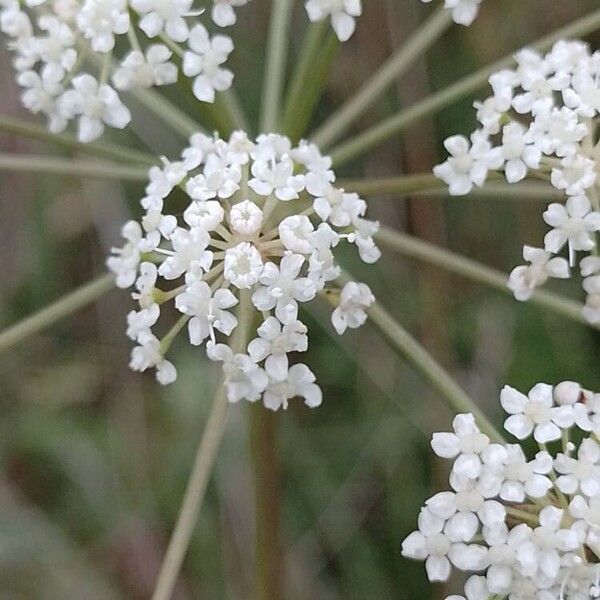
x=95 y=458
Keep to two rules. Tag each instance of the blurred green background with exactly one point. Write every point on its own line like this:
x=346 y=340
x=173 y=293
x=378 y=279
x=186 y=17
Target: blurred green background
x=94 y=459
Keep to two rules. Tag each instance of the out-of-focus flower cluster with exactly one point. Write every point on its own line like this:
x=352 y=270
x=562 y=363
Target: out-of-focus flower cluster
x=72 y=56
x=541 y=121
x=464 y=12
x=343 y=14
x=243 y=223
x=529 y=528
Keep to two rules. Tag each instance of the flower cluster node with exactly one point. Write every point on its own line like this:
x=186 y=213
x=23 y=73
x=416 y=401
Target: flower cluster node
x=254 y=226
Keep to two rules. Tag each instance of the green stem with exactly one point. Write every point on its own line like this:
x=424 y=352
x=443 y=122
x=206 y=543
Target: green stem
x=385 y=76
x=203 y=466
x=281 y=13
x=231 y=105
x=268 y=583
x=194 y=495
x=317 y=52
x=102 y=149
x=406 y=345
x=166 y=111
x=427 y=184
x=34 y=163
x=67 y=305
x=377 y=134
x=471 y=269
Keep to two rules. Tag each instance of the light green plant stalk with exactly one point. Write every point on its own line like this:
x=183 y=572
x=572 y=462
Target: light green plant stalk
x=405 y=344
x=428 y=184
x=67 y=141
x=318 y=50
x=475 y=271
x=201 y=471
x=36 y=163
x=398 y=63
x=281 y=13
x=231 y=104
x=63 y=307
x=166 y=111
x=194 y=495
x=377 y=134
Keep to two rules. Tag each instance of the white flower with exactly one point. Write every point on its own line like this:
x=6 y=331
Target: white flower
x=584 y=94
x=282 y=288
x=189 y=249
x=215 y=181
x=222 y=11
x=557 y=132
x=208 y=311
x=431 y=544
x=465 y=445
x=163 y=180
x=145 y=285
x=468 y=165
x=581 y=474
x=298 y=381
x=206 y=215
x=146 y=70
x=342 y=12
x=576 y=175
x=246 y=218
x=525 y=278
x=155 y=224
x=591 y=310
x=541 y=554
x=587 y=510
x=148 y=354
x=574 y=224
x=244 y=379
x=96 y=105
x=243 y=265
x=140 y=322
x=275 y=342
x=164 y=15
x=518 y=477
x=296 y=234
x=464 y=509
x=534 y=413
x=355 y=298
x=125 y=261
x=203 y=62
x=463 y=11
x=41 y=95
x=333 y=204
x=100 y=20
x=276 y=178
x=518 y=155
x=56 y=49
x=362 y=236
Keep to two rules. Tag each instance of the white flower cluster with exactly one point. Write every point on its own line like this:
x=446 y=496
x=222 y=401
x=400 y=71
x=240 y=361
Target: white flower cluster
x=343 y=14
x=543 y=115
x=464 y=12
x=259 y=223
x=59 y=43
x=528 y=528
